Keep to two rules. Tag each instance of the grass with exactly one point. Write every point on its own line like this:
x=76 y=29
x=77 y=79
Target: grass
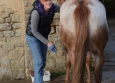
x=60 y=73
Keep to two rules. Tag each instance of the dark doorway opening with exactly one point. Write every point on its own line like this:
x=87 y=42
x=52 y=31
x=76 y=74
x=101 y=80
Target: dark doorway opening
x=110 y=7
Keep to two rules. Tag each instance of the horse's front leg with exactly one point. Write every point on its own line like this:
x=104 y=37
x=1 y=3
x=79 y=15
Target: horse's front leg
x=67 y=69
x=88 y=67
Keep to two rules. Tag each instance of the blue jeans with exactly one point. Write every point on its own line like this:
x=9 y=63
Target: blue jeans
x=39 y=51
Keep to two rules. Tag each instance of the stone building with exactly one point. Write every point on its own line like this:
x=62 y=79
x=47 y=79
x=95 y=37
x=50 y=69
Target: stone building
x=15 y=56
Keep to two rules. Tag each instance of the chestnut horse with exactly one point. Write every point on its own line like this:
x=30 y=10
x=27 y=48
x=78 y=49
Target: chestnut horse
x=83 y=30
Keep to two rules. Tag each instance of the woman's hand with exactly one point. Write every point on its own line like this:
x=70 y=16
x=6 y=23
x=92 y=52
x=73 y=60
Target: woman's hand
x=51 y=46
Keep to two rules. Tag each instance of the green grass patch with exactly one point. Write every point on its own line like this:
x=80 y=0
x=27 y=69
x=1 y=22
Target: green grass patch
x=60 y=73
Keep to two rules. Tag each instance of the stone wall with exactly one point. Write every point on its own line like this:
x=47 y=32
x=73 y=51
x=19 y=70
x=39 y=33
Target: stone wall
x=15 y=56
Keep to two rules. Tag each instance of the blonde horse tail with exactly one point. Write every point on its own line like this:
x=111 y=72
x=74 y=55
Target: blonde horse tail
x=81 y=14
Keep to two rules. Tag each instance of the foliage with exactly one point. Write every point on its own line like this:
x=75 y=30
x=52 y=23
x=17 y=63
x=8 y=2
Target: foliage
x=60 y=73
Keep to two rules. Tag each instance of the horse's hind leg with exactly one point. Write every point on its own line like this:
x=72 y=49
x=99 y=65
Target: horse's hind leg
x=67 y=68
x=88 y=67
x=99 y=61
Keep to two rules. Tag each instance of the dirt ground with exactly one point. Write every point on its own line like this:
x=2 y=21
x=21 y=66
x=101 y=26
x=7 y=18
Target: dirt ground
x=109 y=65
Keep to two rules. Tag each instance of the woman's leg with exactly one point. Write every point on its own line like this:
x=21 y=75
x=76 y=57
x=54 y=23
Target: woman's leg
x=44 y=52
x=35 y=46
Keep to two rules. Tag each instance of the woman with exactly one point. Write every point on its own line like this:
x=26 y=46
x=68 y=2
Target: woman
x=37 y=31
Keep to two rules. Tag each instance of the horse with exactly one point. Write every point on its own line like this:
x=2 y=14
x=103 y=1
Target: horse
x=83 y=30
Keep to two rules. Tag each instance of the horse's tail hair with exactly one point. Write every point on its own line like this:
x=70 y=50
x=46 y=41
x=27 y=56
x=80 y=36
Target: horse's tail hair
x=81 y=14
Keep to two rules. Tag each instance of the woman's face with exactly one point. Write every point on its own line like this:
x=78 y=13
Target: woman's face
x=47 y=4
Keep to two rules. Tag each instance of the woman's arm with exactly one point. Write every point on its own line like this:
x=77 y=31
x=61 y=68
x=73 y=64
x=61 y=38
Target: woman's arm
x=57 y=8
x=34 y=26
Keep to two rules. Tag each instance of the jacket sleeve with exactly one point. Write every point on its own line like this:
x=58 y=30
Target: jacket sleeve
x=34 y=26
x=57 y=8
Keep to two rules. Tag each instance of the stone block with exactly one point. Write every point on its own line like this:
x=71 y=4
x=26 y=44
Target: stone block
x=8 y=33
x=1 y=34
x=16 y=25
x=26 y=3
x=19 y=73
x=15 y=19
x=2 y=20
x=51 y=55
x=26 y=23
x=53 y=30
x=29 y=64
x=5 y=62
x=16 y=39
x=50 y=63
x=22 y=62
x=27 y=17
x=18 y=33
x=3 y=39
x=61 y=54
x=5 y=73
x=21 y=54
x=28 y=54
x=9 y=39
x=55 y=22
x=2 y=53
x=15 y=65
x=54 y=37
x=13 y=39
x=59 y=45
x=6 y=15
x=56 y=1
x=20 y=44
x=8 y=47
x=27 y=10
x=56 y=16
x=0 y=46
x=16 y=53
x=57 y=30
x=2 y=10
x=5 y=27
x=60 y=63
x=10 y=11
x=8 y=20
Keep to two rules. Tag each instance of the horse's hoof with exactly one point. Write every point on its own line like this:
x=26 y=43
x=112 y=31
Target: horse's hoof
x=89 y=81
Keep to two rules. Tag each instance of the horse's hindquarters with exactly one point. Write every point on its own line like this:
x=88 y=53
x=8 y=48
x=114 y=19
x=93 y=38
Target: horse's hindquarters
x=98 y=27
x=67 y=21
x=97 y=17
